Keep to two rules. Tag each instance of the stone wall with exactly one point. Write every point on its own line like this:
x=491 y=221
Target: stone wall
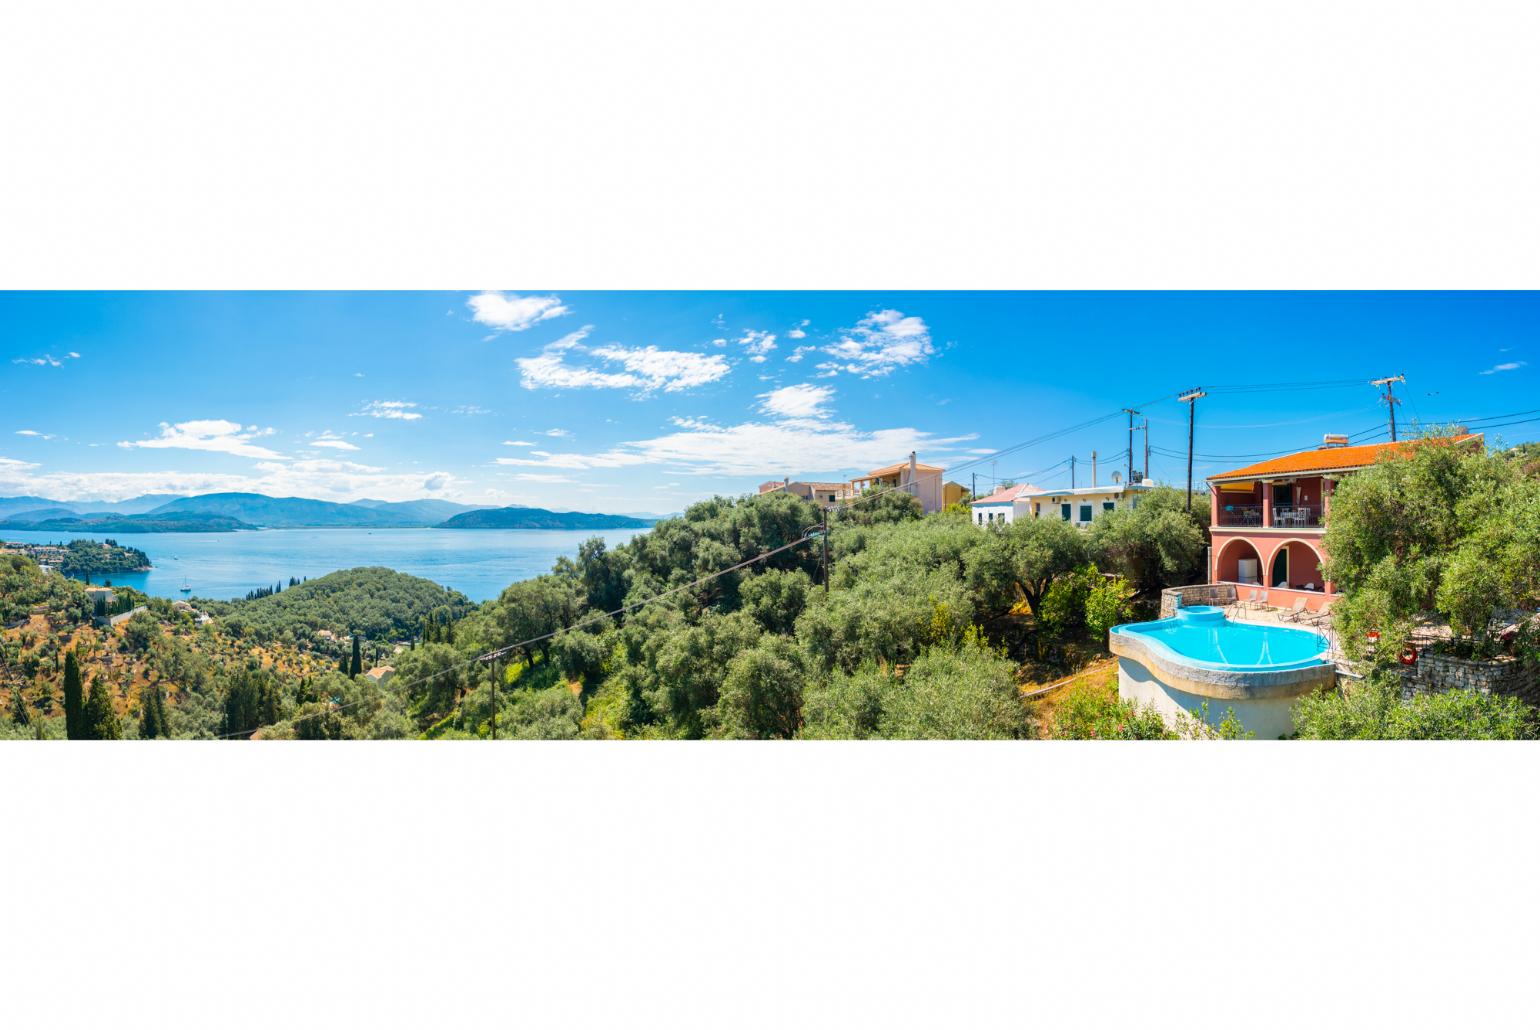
x=1436 y=673
x=1216 y=594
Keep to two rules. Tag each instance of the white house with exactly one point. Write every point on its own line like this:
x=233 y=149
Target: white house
x=1005 y=505
x=1080 y=505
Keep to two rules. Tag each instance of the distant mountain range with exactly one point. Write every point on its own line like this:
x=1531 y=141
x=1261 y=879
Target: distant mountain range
x=226 y=512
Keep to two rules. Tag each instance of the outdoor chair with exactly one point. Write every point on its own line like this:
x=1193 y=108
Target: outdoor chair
x=1318 y=617
x=1300 y=609
x=1249 y=603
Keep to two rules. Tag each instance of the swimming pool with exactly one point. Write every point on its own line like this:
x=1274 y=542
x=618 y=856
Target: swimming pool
x=1199 y=663
x=1203 y=637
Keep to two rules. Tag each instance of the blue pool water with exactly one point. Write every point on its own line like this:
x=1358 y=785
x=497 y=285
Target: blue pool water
x=1204 y=637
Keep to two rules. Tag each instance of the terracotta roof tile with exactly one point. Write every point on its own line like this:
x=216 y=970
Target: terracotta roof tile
x=1327 y=459
x=1008 y=494
x=888 y=470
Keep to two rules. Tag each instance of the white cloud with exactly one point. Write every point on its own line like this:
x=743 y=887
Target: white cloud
x=47 y=360
x=557 y=433
x=757 y=342
x=517 y=443
x=209 y=434
x=333 y=442
x=879 y=343
x=469 y=409
x=401 y=410
x=1506 y=366
x=542 y=477
x=812 y=445
x=643 y=369
x=668 y=370
x=798 y=331
x=34 y=433
x=796 y=355
x=8 y=465
x=512 y=313
x=802 y=401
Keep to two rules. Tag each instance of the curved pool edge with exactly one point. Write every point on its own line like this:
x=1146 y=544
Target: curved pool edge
x=1239 y=683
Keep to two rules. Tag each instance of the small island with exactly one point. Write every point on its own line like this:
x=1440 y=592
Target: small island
x=516 y=517
x=84 y=557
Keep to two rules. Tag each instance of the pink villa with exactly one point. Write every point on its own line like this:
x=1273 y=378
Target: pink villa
x=1268 y=520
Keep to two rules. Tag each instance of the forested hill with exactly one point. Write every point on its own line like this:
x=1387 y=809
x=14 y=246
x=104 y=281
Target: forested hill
x=287 y=512
x=375 y=603
x=541 y=518
x=106 y=522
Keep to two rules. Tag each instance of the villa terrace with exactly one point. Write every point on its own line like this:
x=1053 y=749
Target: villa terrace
x=1267 y=519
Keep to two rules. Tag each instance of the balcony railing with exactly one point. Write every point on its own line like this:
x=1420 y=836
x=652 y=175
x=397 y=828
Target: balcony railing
x=1285 y=516
x=1297 y=516
x=1240 y=514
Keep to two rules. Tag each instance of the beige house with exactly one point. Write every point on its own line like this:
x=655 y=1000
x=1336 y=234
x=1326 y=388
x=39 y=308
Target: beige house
x=825 y=495
x=923 y=482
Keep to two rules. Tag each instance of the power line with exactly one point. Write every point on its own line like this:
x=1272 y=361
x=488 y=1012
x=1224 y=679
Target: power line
x=501 y=652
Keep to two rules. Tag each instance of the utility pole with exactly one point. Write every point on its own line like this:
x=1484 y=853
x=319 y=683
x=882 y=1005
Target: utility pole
x=1389 y=399
x=1072 y=472
x=496 y=672
x=1190 y=398
x=1093 y=468
x=1131 y=414
x=975 y=493
x=1144 y=472
x=825 y=536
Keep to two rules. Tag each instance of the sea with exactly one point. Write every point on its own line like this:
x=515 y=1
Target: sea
x=221 y=566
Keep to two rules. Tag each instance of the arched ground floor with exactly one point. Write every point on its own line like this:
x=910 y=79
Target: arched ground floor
x=1287 y=566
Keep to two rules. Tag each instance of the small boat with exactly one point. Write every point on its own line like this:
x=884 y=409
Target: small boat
x=186 y=587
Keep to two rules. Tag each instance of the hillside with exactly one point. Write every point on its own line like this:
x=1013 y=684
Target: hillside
x=104 y=522
x=429 y=512
x=541 y=518
x=376 y=603
x=285 y=512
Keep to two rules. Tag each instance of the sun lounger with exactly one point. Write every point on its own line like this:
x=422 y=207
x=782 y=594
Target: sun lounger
x=1294 y=614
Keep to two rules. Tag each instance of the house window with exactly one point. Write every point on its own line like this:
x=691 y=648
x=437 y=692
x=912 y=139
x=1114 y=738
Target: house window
x=1108 y=505
x=1085 y=513
x=1064 y=511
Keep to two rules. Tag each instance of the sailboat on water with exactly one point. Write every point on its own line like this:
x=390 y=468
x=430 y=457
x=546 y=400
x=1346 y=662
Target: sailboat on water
x=186 y=587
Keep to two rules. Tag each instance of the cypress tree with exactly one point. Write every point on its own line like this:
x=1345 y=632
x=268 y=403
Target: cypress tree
x=358 y=658
x=342 y=665
x=19 y=713
x=152 y=713
x=101 y=722
x=74 y=703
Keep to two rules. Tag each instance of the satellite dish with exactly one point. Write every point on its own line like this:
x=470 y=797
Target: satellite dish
x=1117 y=477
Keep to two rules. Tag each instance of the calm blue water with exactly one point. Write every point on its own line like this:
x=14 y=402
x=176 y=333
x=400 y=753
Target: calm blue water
x=1209 y=638
x=477 y=562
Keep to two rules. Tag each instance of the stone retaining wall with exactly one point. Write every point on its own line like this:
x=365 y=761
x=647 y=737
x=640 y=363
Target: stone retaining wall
x=1436 y=673
x=1217 y=594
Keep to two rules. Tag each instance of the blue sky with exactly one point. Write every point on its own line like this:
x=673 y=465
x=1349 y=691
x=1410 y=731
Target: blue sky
x=647 y=401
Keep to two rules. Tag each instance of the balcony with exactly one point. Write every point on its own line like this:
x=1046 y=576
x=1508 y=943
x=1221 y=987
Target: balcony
x=1240 y=514
x=1285 y=516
